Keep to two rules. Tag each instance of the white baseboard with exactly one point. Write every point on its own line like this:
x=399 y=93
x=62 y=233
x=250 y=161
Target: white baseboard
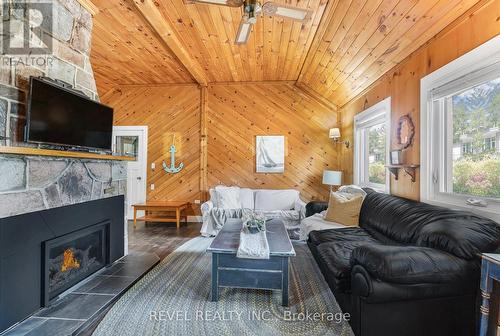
x=195 y=219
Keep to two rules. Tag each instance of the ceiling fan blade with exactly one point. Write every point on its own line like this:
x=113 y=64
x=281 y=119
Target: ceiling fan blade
x=230 y=3
x=295 y=13
x=243 y=31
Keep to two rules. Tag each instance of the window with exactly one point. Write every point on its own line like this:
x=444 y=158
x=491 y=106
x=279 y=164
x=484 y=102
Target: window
x=490 y=144
x=466 y=148
x=371 y=147
x=460 y=120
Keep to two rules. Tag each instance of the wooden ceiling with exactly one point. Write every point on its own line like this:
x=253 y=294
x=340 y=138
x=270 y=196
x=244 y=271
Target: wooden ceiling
x=345 y=47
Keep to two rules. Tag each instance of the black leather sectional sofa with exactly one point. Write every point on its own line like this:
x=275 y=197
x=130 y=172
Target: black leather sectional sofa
x=410 y=268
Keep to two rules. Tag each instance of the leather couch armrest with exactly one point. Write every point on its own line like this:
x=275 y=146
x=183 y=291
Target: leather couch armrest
x=315 y=207
x=412 y=264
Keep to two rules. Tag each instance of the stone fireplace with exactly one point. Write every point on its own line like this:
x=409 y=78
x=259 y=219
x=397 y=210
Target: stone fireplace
x=69 y=259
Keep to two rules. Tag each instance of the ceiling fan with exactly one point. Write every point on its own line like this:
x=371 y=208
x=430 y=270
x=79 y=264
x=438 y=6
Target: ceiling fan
x=251 y=8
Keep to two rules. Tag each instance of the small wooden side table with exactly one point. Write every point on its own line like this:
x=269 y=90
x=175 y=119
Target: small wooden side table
x=161 y=206
x=490 y=271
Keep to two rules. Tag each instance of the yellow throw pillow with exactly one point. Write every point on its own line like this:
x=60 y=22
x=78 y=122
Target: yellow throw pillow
x=344 y=209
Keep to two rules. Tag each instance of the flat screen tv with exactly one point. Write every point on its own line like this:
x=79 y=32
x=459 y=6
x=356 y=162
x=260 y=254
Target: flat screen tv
x=59 y=116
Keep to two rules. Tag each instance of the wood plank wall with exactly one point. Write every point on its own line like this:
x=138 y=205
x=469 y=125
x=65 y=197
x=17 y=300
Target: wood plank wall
x=216 y=139
x=238 y=113
x=167 y=111
x=402 y=83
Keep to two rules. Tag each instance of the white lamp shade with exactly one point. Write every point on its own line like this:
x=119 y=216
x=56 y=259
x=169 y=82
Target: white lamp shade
x=331 y=177
x=334 y=133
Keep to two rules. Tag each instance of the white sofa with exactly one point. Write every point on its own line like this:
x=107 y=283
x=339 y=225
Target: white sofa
x=284 y=204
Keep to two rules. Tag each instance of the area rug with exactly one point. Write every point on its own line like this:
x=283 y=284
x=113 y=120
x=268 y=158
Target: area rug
x=174 y=299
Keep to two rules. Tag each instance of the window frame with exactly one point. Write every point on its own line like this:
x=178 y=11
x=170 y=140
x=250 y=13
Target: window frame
x=432 y=158
x=362 y=122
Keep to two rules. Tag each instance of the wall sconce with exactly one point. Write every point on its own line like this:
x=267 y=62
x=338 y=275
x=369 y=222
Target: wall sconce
x=335 y=135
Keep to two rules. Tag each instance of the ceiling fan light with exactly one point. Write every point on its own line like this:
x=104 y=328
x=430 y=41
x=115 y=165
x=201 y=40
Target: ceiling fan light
x=243 y=33
x=296 y=14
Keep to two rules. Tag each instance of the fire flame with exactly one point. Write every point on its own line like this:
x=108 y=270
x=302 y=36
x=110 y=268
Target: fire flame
x=69 y=262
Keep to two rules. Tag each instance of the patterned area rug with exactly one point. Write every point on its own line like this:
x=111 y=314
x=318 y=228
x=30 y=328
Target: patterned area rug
x=174 y=299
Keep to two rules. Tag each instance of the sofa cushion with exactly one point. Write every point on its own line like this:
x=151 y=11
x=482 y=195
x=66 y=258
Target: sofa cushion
x=344 y=208
x=335 y=258
x=345 y=234
x=247 y=198
x=275 y=199
x=228 y=197
x=412 y=264
x=462 y=234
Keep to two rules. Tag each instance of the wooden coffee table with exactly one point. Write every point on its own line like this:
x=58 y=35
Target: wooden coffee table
x=161 y=206
x=230 y=271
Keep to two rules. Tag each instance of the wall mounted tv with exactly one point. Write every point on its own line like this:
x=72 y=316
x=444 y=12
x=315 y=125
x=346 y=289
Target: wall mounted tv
x=59 y=116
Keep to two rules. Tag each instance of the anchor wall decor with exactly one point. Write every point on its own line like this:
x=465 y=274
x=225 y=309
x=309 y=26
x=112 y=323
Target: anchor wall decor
x=172 y=169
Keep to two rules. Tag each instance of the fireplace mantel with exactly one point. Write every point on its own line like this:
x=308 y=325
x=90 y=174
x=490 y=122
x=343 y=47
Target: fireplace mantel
x=60 y=153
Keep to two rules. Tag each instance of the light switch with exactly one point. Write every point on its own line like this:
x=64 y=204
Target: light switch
x=153 y=166
x=197 y=202
x=152 y=186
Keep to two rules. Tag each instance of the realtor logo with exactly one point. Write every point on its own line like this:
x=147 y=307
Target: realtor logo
x=27 y=27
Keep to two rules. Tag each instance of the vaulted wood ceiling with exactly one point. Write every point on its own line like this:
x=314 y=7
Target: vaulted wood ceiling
x=344 y=48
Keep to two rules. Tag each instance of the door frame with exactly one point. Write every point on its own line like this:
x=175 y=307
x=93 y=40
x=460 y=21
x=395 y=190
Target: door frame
x=143 y=148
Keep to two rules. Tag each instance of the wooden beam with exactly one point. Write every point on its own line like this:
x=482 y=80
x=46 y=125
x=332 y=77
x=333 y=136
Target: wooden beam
x=316 y=96
x=168 y=35
x=203 y=144
x=60 y=153
x=90 y=6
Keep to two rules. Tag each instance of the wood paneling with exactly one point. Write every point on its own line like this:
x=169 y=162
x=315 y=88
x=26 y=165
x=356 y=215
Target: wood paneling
x=230 y=118
x=346 y=45
x=167 y=111
x=126 y=51
x=238 y=113
x=360 y=40
x=402 y=83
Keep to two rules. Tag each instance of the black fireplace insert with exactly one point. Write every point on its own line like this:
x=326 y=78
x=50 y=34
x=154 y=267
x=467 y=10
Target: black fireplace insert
x=88 y=236
x=69 y=259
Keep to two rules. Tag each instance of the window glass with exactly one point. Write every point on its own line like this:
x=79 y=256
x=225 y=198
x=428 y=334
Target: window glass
x=475 y=123
x=376 y=153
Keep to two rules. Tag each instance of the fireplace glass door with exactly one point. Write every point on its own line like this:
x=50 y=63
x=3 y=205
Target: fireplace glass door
x=71 y=258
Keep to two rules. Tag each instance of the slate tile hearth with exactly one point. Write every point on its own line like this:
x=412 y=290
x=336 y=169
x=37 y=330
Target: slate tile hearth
x=77 y=310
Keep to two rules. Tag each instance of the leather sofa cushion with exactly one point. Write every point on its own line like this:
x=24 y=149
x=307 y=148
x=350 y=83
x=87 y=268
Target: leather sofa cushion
x=402 y=221
x=412 y=264
x=333 y=249
x=335 y=258
x=341 y=235
x=464 y=235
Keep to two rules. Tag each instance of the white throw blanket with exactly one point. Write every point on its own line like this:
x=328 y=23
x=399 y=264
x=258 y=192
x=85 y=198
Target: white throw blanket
x=253 y=245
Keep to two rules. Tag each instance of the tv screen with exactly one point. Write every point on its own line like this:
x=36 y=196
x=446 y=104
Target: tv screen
x=62 y=117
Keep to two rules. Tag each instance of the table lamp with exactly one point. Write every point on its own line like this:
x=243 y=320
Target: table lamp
x=332 y=178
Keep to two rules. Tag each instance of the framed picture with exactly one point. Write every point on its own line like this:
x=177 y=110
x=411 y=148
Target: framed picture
x=270 y=154
x=396 y=157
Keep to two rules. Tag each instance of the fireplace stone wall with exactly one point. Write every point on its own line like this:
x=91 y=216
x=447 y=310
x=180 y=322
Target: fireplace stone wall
x=29 y=184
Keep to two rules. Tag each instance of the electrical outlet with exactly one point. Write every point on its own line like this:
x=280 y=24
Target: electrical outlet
x=152 y=186
x=153 y=166
x=197 y=201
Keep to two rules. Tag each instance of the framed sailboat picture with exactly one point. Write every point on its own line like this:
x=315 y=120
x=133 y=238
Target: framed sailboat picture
x=270 y=154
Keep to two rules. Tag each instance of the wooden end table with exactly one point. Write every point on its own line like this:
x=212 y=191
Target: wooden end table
x=161 y=206
x=490 y=272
